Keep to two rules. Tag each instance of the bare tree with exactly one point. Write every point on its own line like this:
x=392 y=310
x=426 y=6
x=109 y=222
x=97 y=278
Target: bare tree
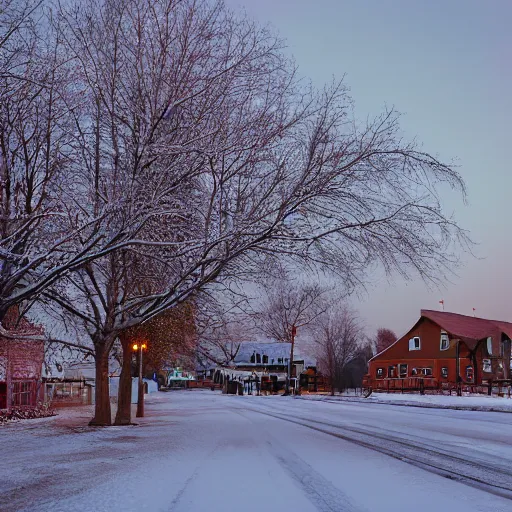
x=222 y=324
x=46 y=227
x=383 y=339
x=195 y=134
x=288 y=305
x=338 y=337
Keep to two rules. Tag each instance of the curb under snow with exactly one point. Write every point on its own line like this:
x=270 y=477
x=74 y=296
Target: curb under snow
x=425 y=405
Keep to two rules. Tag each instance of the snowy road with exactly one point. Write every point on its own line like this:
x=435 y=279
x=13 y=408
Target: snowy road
x=200 y=451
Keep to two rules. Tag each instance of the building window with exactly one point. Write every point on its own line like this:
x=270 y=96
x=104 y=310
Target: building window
x=427 y=372
x=258 y=358
x=414 y=343
x=444 y=372
x=265 y=359
x=22 y=393
x=402 y=368
x=253 y=358
x=445 y=342
x=392 y=372
x=380 y=373
x=279 y=360
x=487 y=366
x=469 y=373
x=414 y=372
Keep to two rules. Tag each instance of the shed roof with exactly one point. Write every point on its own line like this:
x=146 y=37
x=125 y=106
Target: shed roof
x=273 y=350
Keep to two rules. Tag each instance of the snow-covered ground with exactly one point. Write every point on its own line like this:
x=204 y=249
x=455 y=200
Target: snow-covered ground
x=468 y=402
x=200 y=450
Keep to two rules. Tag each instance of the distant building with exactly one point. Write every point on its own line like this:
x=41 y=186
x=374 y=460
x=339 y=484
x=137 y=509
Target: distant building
x=442 y=349
x=21 y=361
x=269 y=360
x=272 y=357
x=69 y=377
x=259 y=356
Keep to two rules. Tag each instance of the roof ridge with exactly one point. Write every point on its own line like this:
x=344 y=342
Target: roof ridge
x=465 y=316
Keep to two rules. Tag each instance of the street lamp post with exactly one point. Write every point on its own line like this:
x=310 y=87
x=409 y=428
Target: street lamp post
x=139 y=347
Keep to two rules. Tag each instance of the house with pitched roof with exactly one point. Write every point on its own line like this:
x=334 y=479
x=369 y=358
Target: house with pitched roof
x=21 y=361
x=443 y=349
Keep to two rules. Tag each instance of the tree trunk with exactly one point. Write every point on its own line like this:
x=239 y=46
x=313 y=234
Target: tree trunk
x=102 y=412
x=124 y=397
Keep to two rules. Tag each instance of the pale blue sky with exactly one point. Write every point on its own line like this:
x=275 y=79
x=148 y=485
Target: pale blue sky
x=446 y=64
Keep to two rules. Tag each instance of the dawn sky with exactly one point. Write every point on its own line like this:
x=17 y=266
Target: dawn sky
x=446 y=65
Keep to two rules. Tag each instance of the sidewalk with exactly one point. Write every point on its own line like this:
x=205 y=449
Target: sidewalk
x=464 y=403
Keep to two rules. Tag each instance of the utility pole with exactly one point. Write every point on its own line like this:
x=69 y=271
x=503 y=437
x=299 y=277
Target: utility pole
x=290 y=362
x=139 y=347
x=457 y=368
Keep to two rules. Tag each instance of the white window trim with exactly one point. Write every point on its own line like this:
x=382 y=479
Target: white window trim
x=444 y=333
x=412 y=343
x=489 y=345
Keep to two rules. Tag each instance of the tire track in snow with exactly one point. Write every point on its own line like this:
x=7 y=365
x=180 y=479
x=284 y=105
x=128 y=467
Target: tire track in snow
x=322 y=493
x=446 y=465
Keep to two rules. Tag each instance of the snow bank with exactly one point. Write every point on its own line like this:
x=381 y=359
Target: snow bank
x=471 y=402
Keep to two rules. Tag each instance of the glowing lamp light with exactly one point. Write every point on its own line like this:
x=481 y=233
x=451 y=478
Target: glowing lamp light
x=136 y=346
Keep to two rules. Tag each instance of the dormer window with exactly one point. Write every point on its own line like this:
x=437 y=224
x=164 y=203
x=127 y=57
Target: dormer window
x=445 y=342
x=415 y=343
x=265 y=359
x=258 y=358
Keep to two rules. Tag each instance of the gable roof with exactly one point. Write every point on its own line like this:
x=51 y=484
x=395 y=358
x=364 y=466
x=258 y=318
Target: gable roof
x=469 y=328
x=273 y=350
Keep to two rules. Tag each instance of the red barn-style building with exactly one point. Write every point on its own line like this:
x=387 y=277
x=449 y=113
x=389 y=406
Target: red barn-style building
x=441 y=346
x=21 y=362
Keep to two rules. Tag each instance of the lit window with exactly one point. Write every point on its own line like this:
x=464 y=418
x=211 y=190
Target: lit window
x=445 y=342
x=444 y=372
x=403 y=370
x=414 y=343
x=487 y=366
